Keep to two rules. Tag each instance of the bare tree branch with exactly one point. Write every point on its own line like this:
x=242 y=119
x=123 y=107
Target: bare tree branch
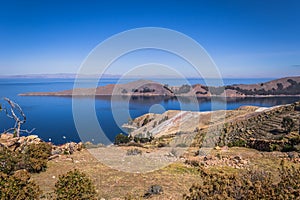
x=26 y=131
x=19 y=120
x=7 y=114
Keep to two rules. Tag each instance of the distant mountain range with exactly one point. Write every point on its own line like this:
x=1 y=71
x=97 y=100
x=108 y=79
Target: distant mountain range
x=289 y=86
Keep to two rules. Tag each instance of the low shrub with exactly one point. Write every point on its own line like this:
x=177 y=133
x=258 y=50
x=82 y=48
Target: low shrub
x=18 y=186
x=153 y=190
x=8 y=160
x=133 y=152
x=36 y=156
x=33 y=158
x=237 y=143
x=74 y=185
x=121 y=139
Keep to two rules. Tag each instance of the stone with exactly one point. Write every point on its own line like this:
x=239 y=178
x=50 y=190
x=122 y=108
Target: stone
x=153 y=190
x=6 y=136
x=32 y=137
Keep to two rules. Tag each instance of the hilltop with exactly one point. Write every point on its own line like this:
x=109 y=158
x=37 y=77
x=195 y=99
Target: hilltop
x=289 y=86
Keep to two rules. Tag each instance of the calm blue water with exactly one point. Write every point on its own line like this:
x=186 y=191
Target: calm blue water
x=52 y=116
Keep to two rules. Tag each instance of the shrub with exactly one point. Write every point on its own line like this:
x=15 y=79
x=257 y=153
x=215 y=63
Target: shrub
x=36 y=156
x=288 y=124
x=237 y=143
x=153 y=190
x=288 y=147
x=18 y=186
x=121 y=139
x=183 y=89
x=133 y=152
x=8 y=160
x=275 y=147
x=74 y=185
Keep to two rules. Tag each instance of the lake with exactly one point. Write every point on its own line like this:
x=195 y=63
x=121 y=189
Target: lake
x=53 y=120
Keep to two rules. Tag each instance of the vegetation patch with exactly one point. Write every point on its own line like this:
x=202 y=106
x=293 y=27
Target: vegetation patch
x=18 y=186
x=74 y=185
x=253 y=184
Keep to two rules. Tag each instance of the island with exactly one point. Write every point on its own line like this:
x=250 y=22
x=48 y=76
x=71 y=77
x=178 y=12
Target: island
x=288 y=86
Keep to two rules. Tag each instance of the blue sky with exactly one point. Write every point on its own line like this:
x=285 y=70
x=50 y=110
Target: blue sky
x=244 y=38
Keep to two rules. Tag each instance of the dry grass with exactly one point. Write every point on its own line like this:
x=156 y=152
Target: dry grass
x=176 y=179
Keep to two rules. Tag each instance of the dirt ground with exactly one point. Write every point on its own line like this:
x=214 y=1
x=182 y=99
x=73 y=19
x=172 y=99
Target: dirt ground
x=175 y=179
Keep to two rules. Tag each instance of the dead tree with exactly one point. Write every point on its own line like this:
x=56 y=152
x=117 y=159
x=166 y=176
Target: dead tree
x=16 y=113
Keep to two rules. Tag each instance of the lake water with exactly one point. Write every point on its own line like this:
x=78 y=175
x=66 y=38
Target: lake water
x=52 y=116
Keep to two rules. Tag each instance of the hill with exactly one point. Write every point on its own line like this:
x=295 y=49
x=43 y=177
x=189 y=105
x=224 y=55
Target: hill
x=248 y=126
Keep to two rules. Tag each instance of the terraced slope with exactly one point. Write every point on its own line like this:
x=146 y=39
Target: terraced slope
x=250 y=126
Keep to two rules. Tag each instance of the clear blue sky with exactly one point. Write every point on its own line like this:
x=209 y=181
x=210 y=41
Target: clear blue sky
x=246 y=38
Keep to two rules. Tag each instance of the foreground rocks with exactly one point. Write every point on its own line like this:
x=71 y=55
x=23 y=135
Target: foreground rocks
x=19 y=143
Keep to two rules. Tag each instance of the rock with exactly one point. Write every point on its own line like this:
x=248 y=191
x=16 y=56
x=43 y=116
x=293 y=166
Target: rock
x=238 y=158
x=32 y=137
x=217 y=148
x=56 y=151
x=225 y=148
x=53 y=157
x=6 y=136
x=153 y=190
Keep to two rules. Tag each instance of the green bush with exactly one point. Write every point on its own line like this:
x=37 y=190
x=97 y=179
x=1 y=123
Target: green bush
x=288 y=124
x=8 y=160
x=288 y=148
x=237 y=143
x=34 y=158
x=18 y=186
x=275 y=147
x=74 y=185
x=121 y=139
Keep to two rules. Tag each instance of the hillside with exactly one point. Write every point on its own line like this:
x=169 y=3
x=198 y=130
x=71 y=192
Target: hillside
x=289 y=86
x=255 y=127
